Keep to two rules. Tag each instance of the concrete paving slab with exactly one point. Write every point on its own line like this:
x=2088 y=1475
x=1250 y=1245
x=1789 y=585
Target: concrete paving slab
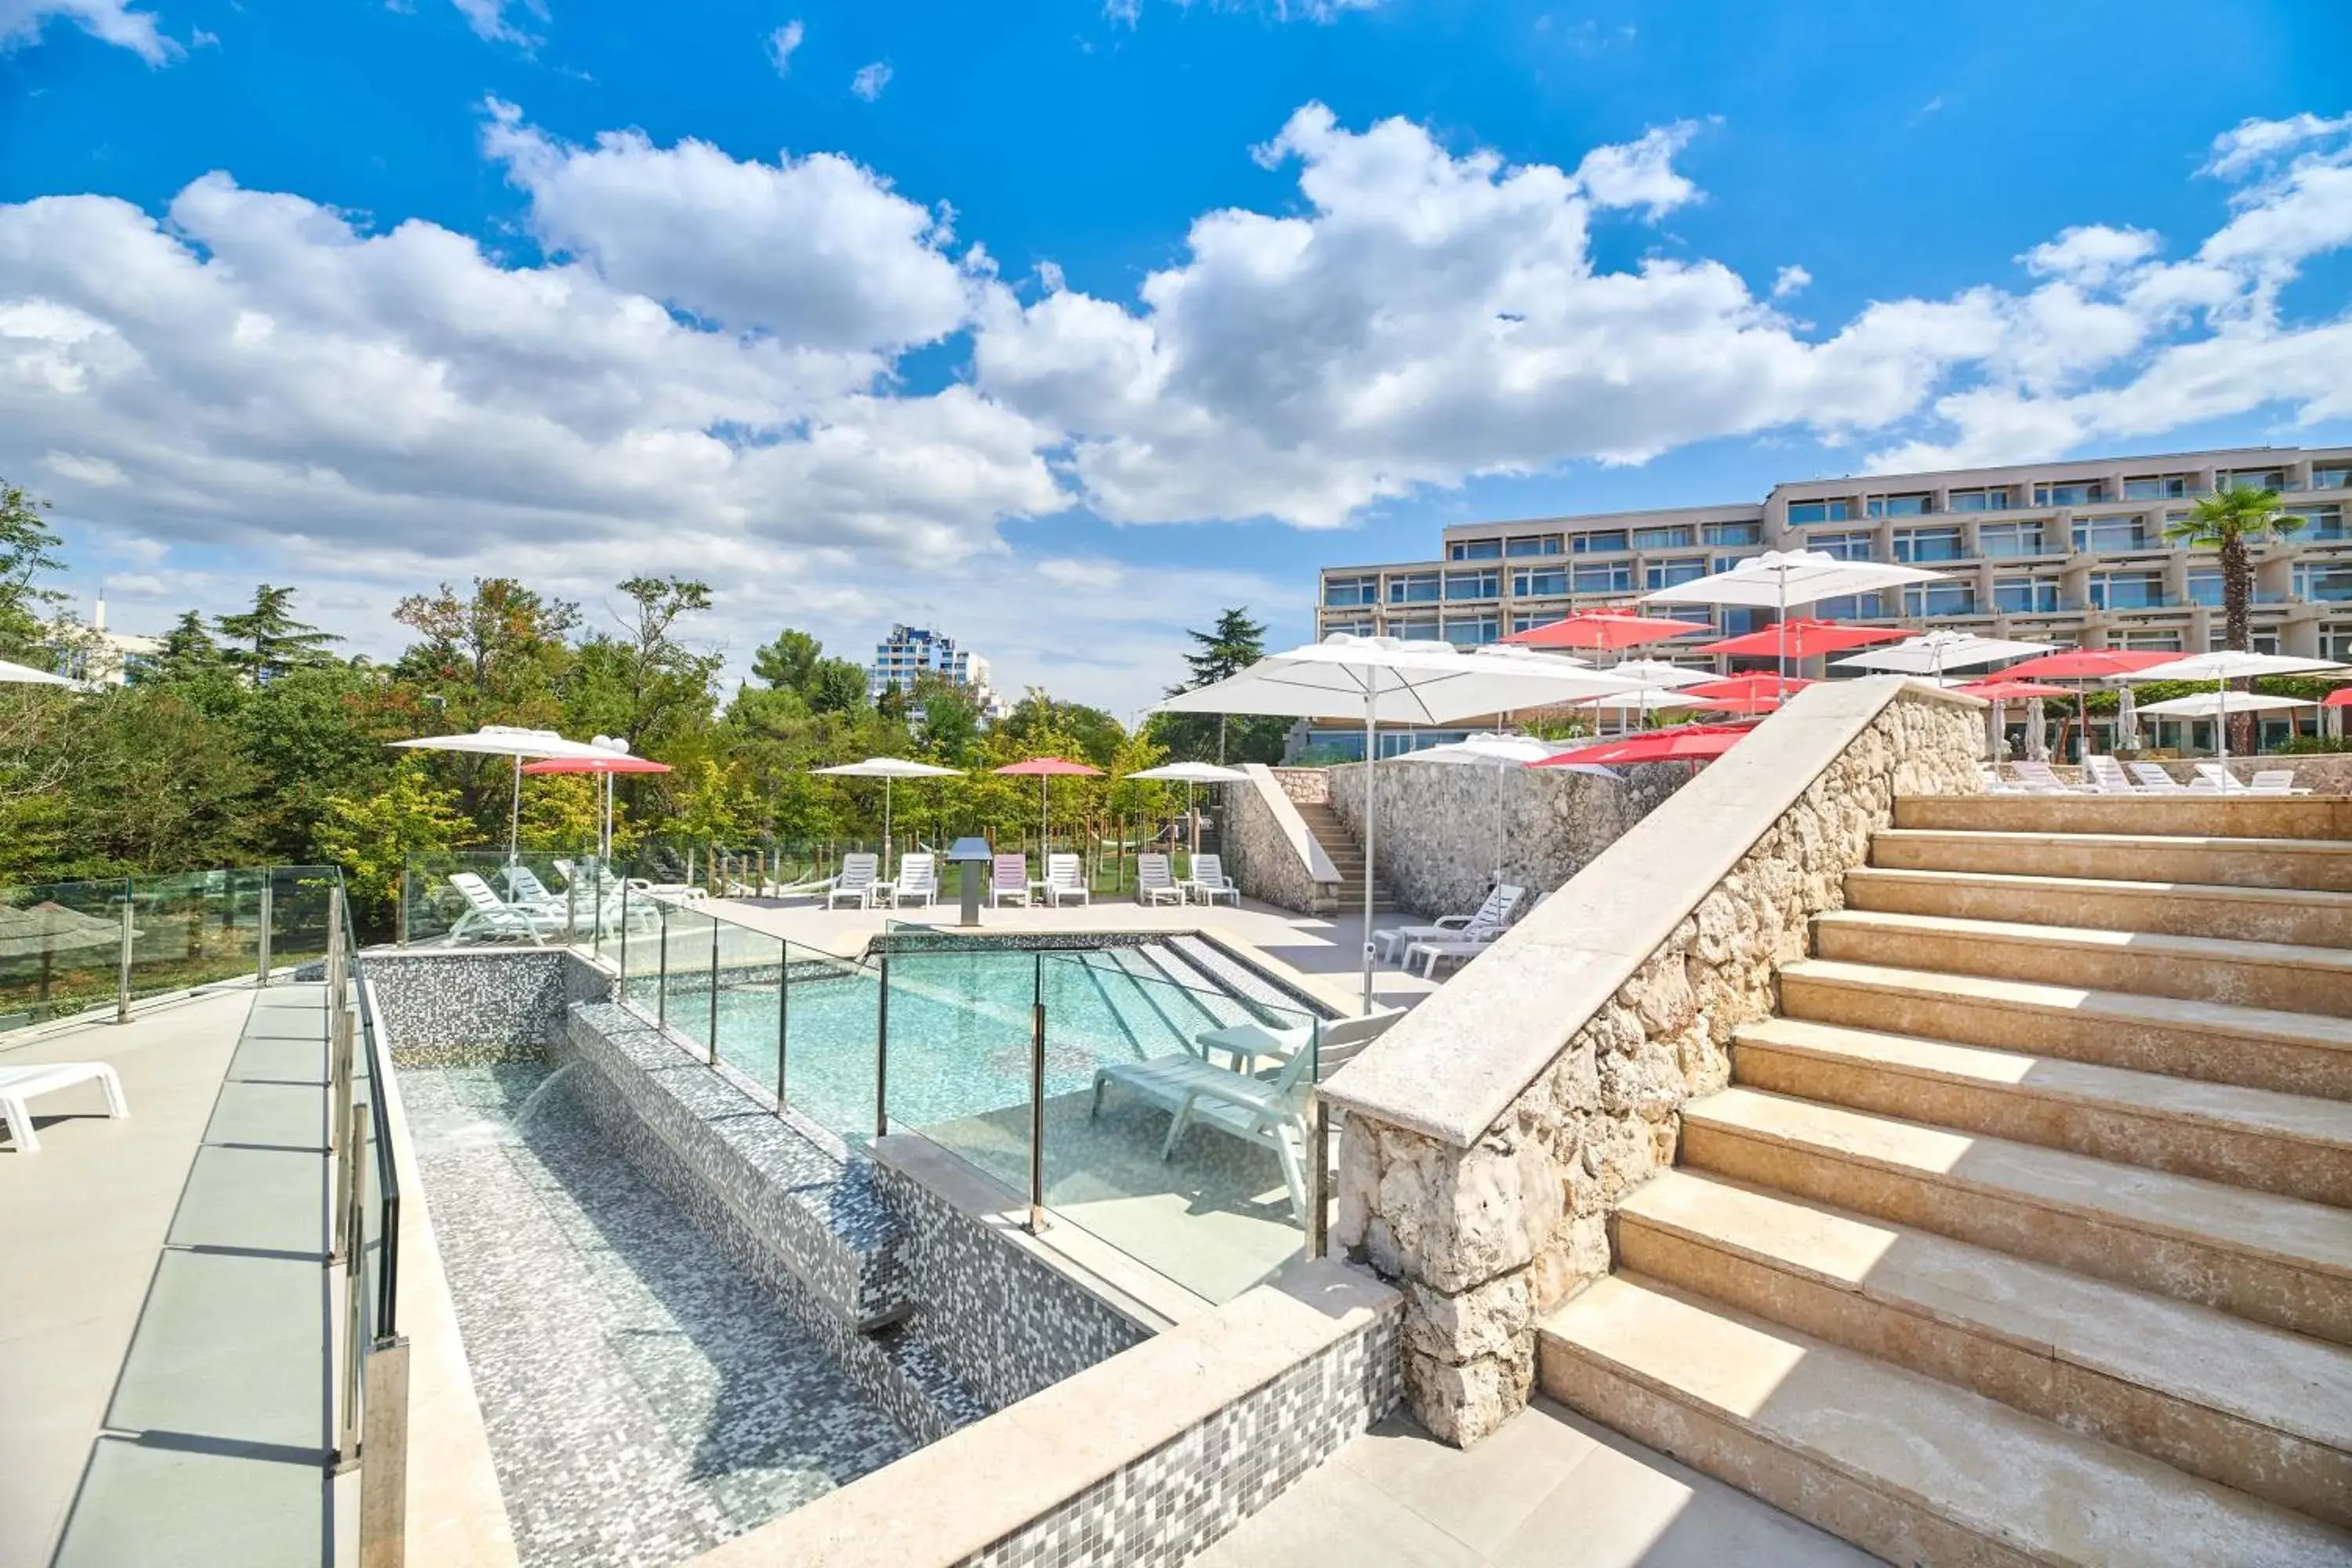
x=170 y=1508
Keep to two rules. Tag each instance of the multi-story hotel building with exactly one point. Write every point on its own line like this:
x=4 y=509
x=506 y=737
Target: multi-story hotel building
x=2063 y=552
x=909 y=652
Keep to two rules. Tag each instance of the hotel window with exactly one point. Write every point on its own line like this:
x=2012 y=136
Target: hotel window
x=1474 y=550
x=1529 y=621
x=2106 y=535
x=1998 y=499
x=1852 y=608
x=2336 y=642
x=1918 y=544
x=1533 y=544
x=1414 y=588
x=2025 y=596
x=1419 y=626
x=1485 y=585
x=1538 y=582
x=1607 y=577
x=1680 y=538
x=2156 y=487
x=2149 y=641
x=1949 y=598
x=2217 y=638
x=1843 y=546
x=2127 y=590
x=1737 y=620
x=1595 y=543
x=2073 y=492
x=1819 y=511
x=1332 y=625
x=1900 y=506
x=1726 y=563
x=1733 y=534
x=2320 y=523
x=2324 y=582
x=1351 y=590
x=2004 y=539
x=2330 y=475
x=2205 y=587
x=1470 y=631
x=2252 y=478
x=1673 y=574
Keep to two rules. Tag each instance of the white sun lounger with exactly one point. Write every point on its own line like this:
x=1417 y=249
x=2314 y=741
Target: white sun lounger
x=2274 y=780
x=490 y=917
x=856 y=882
x=1501 y=899
x=1209 y=883
x=19 y=1085
x=1065 y=878
x=2153 y=780
x=1008 y=879
x=918 y=879
x=1154 y=882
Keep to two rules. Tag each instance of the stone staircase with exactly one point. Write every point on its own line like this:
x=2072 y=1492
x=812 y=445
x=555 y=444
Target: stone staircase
x=2024 y=1232
x=1347 y=859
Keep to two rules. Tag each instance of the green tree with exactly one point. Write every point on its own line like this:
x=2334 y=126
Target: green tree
x=2231 y=522
x=372 y=836
x=837 y=686
x=648 y=684
x=309 y=733
x=27 y=549
x=497 y=651
x=158 y=785
x=1225 y=649
x=267 y=640
x=950 y=720
x=789 y=663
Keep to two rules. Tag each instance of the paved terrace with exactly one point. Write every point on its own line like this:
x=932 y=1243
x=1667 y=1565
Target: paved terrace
x=165 y=1300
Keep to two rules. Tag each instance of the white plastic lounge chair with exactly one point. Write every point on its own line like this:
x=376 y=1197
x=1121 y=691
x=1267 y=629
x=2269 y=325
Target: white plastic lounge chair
x=2274 y=780
x=1461 y=946
x=1268 y=1108
x=19 y=1085
x=2106 y=776
x=2219 y=779
x=525 y=890
x=1008 y=879
x=1154 y=882
x=489 y=917
x=918 y=879
x=1065 y=878
x=1209 y=883
x=1502 y=898
x=2153 y=780
x=2036 y=778
x=856 y=882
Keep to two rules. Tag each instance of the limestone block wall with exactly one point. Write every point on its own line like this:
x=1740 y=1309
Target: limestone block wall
x=1307 y=787
x=1490 y=1134
x=1267 y=848
x=1436 y=822
x=2322 y=773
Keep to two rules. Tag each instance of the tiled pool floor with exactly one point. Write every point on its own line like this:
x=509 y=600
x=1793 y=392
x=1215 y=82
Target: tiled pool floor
x=644 y=1400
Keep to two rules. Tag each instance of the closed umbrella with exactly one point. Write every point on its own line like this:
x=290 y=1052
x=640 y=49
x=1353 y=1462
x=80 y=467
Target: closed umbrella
x=1188 y=775
x=1499 y=754
x=2001 y=690
x=1387 y=681
x=1779 y=578
x=1041 y=768
x=888 y=770
x=2224 y=665
x=2088 y=664
x=2332 y=709
x=511 y=741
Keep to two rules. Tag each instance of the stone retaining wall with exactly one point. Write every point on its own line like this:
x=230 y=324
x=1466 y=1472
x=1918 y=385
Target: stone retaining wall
x=1261 y=838
x=1490 y=1134
x=1436 y=822
x=2322 y=773
x=1307 y=787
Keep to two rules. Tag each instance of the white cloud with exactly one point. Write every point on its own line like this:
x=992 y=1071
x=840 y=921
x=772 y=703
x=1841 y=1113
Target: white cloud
x=76 y=469
x=1320 y=12
x=2253 y=143
x=870 y=80
x=818 y=250
x=1640 y=174
x=2093 y=254
x=110 y=21
x=1790 y=280
x=781 y=45
x=1072 y=572
x=489 y=20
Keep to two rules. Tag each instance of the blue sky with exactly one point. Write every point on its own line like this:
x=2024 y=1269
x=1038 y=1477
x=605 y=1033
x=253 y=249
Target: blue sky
x=361 y=296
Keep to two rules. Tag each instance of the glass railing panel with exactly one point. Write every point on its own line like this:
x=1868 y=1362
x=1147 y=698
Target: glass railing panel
x=687 y=942
x=959 y=1052
x=299 y=900
x=194 y=928
x=466 y=897
x=1217 y=1203
x=60 y=949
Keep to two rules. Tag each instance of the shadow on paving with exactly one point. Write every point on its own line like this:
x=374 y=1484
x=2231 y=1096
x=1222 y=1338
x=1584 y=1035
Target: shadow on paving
x=215 y=1442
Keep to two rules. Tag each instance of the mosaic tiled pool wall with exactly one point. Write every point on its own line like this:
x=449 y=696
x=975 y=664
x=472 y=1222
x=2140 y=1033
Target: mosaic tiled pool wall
x=846 y=1245
x=1219 y=965
x=1009 y=1323
x=1179 y=1500
x=474 y=1007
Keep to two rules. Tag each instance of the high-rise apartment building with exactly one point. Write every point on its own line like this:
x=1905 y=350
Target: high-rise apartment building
x=912 y=651
x=2063 y=552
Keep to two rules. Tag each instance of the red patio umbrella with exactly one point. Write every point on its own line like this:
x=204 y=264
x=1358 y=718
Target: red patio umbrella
x=1801 y=638
x=1760 y=693
x=1683 y=744
x=2087 y=664
x=2340 y=699
x=606 y=766
x=2001 y=688
x=1606 y=630
x=1044 y=768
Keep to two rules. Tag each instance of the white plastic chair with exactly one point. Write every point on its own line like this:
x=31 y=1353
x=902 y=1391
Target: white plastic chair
x=1501 y=900
x=1208 y=881
x=856 y=880
x=1065 y=878
x=918 y=879
x=19 y=1085
x=1154 y=882
x=1008 y=879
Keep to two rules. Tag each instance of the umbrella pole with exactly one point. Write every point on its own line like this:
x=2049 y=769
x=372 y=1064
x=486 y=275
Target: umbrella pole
x=514 y=815
x=886 y=825
x=1498 y=825
x=1043 y=845
x=2222 y=723
x=1371 y=777
x=1780 y=633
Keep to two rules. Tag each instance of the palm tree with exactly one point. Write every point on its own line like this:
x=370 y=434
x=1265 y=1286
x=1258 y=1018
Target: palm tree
x=2231 y=522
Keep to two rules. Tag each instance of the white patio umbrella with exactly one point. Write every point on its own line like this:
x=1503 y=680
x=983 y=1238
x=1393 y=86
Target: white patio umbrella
x=2224 y=665
x=511 y=741
x=1188 y=775
x=25 y=675
x=1779 y=578
x=1387 y=681
x=1501 y=753
x=886 y=769
x=1934 y=652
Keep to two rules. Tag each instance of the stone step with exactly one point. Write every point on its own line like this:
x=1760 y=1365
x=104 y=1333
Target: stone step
x=2292 y=915
x=2274 y=1259
x=1913 y=1469
x=2244 y=973
x=2320 y=864
x=2289 y=1143
x=2294 y=1053
x=2252 y=1407
x=2186 y=816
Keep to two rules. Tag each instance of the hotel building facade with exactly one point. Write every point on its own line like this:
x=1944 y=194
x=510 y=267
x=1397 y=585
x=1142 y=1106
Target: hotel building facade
x=2061 y=552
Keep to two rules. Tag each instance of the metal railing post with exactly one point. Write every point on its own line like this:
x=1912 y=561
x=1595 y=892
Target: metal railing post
x=783 y=1013
x=340 y=1135
x=269 y=918
x=400 y=909
x=1037 y=1094
x=123 y=962
x=882 y=1052
x=347 y=1441
x=661 y=971
x=714 y=993
x=624 y=941
x=1318 y=1200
